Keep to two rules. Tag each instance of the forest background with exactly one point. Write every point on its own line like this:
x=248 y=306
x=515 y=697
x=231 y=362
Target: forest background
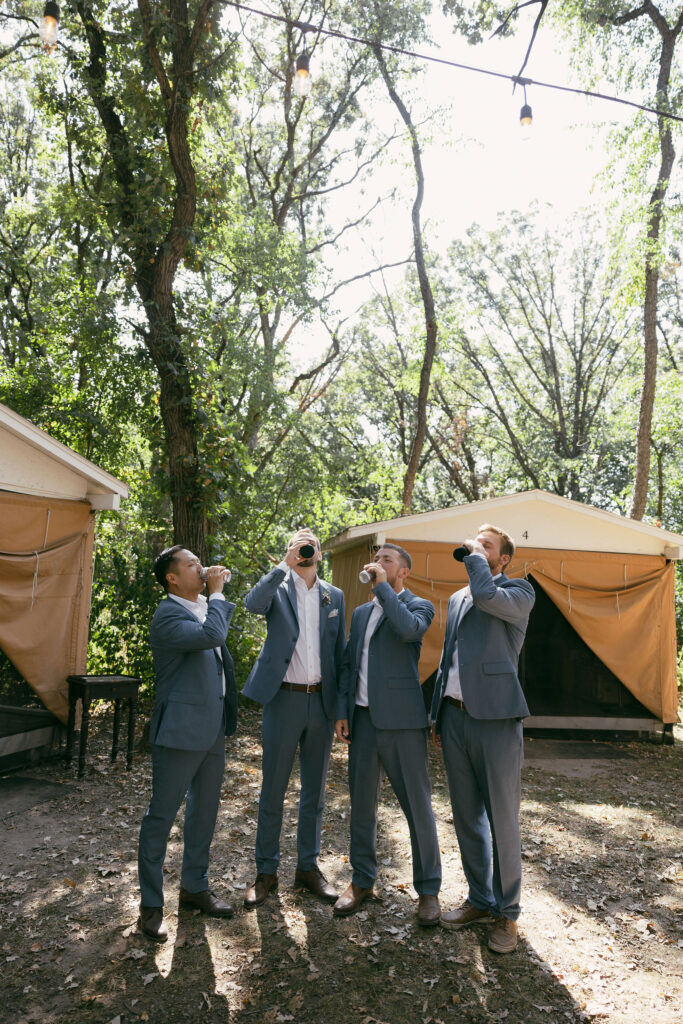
x=230 y=297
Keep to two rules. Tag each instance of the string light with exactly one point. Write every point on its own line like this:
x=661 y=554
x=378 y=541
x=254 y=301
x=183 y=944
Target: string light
x=526 y=119
x=48 y=29
x=302 y=75
x=515 y=79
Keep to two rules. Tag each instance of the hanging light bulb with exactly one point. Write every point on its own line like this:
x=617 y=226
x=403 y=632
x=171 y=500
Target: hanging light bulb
x=49 y=26
x=525 y=119
x=302 y=77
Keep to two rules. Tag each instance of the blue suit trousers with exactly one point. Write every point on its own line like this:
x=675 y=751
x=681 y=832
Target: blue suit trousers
x=195 y=776
x=402 y=754
x=483 y=759
x=292 y=720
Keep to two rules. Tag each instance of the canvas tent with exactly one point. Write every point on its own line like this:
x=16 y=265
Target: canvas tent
x=48 y=497
x=601 y=645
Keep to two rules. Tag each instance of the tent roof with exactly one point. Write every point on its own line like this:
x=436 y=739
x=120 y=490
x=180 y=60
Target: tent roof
x=535 y=519
x=32 y=462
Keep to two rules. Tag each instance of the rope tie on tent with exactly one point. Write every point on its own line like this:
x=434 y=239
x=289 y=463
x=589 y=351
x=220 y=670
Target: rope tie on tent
x=618 y=608
x=35 y=577
x=569 y=597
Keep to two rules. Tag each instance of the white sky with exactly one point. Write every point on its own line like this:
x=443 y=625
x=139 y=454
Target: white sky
x=477 y=165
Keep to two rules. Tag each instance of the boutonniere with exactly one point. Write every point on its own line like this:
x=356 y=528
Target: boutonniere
x=326 y=598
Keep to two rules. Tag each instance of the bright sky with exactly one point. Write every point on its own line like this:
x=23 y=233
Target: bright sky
x=478 y=163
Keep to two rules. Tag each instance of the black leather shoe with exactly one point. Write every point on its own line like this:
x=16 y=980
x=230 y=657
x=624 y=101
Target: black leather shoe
x=315 y=881
x=151 y=923
x=206 y=902
x=256 y=894
x=350 y=900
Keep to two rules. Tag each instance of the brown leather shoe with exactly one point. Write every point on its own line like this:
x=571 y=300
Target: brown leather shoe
x=206 y=902
x=151 y=923
x=255 y=895
x=428 y=910
x=317 y=883
x=350 y=900
x=465 y=915
x=503 y=936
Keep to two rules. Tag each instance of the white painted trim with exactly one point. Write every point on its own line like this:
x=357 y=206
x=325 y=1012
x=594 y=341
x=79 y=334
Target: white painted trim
x=576 y=722
x=385 y=527
x=39 y=439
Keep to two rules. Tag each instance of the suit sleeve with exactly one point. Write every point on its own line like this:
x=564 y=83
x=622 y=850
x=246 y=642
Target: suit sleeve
x=512 y=603
x=409 y=624
x=345 y=674
x=181 y=632
x=260 y=597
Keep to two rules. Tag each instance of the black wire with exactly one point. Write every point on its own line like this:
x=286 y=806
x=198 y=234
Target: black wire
x=515 y=79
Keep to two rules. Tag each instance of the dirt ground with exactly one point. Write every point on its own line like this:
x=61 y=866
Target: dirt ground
x=601 y=930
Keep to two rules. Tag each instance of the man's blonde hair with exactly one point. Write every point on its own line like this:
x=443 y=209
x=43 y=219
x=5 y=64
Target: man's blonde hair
x=507 y=544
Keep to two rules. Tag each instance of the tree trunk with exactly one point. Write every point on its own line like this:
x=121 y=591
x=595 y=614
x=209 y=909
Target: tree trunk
x=155 y=263
x=655 y=212
x=427 y=299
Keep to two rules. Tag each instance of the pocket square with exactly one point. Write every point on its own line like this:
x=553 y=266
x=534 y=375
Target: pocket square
x=333 y=613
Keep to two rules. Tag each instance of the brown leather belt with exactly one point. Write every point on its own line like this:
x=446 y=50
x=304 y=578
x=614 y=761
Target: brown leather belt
x=302 y=687
x=455 y=702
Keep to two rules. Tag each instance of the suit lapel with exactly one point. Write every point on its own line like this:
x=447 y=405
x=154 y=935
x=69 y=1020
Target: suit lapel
x=325 y=608
x=364 y=614
x=291 y=594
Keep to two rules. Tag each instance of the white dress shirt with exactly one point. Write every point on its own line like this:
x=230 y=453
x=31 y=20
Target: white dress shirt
x=362 y=685
x=199 y=608
x=304 y=666
x=453 y=688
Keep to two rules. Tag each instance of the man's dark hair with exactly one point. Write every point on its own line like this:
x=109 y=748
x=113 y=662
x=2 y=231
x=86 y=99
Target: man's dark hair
x=166 y=562
x=403 y=554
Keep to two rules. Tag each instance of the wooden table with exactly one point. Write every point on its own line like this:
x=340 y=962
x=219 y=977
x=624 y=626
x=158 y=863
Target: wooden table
x=89 y=688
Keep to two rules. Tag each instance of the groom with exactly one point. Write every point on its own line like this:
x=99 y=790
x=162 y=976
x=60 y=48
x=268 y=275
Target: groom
x=195 y=707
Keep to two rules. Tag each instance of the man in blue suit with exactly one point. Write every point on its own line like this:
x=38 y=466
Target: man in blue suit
x=381 y=715
x=195 y=707
x=295 y=678
x=477 y=715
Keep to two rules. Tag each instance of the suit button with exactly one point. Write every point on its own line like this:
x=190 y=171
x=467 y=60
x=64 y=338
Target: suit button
x=286 y=661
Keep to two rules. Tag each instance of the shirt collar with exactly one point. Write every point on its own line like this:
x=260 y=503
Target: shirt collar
x=375 y=601
x=300 y=582
x=191 y=606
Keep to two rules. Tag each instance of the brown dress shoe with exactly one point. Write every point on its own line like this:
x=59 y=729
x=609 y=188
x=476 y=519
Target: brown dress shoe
x=151 y=923
x=503 y=936
x=255 y=895
x=317 y=883
x=350 y=900
x=465 y=915
x=428 y=910
x=206 y=902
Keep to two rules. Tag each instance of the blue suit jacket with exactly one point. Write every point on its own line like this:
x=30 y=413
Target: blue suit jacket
x=188 y=699
x=490 y=636
x=275 y=597
x=394 y=693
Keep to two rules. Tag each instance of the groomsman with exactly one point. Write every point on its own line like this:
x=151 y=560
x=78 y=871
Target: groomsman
x=295 y=678
x=195 y=708
x=381 y=715
x=477 y=715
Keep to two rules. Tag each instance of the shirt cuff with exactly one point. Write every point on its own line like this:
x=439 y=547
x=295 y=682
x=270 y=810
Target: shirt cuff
x=216 y=597
x=283 y=566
